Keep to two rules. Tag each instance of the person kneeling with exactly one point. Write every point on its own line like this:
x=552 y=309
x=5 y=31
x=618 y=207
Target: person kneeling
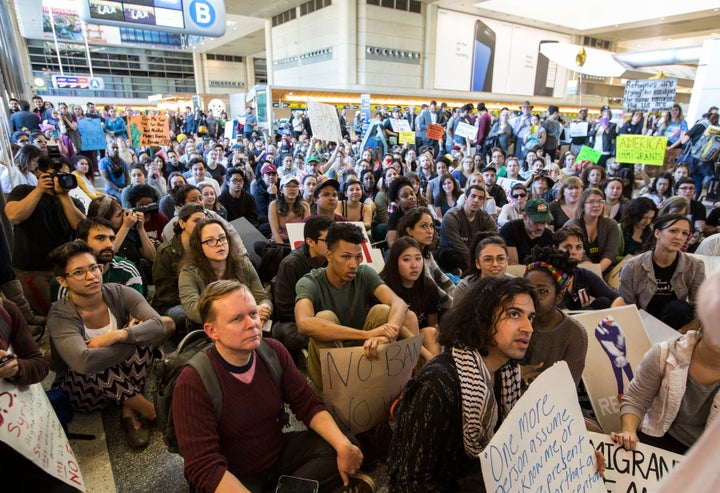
x=247 y=449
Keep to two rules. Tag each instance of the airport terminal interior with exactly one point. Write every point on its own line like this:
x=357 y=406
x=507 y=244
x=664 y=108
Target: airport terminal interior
x=262 y=64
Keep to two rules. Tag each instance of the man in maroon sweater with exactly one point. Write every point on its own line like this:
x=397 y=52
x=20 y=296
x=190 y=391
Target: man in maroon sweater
x=247 y=450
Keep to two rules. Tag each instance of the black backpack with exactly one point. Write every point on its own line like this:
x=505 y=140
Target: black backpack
x=192 y=351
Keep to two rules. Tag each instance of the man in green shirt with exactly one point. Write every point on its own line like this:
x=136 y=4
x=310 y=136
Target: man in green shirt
x=333 y=305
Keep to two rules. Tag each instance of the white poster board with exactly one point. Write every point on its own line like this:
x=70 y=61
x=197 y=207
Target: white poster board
x=649 y=95
x=359 y=391
x=639 y=470
x=543 y=445
x=617 y=342
x=29 y=425
x=578 y=129
x=466 y=130
x=324 y=121
x=296 y=237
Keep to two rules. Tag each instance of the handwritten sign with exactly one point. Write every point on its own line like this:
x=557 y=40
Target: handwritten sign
x=359 y=391
x=639 y=470
x=296 y=236
x=640 y=149
x=649 y=95
x=399 y=125
x=407 y=138
x=506 y=184
x=149 y=130
x=324 y=121
x=92 y=136
x=466 y=130
x=542 y=445
x=434 y=131
x=578 y=129
x=589 y=154
x=29 y=425
x=617 y=342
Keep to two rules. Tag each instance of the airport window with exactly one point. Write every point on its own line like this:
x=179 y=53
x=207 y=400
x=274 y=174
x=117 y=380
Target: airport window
x=413 y=6
x=313 y=5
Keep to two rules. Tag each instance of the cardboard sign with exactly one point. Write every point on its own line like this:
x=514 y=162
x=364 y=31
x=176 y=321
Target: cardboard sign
x=617 y=342
x=407 y=138
x=434 y=131
x=649 y=95
x=92 y=135
x=644 y=149
x=324 y=121
x=466 y=130
x=149 y=130
x=399 y=125
x=506 y=184
x=29 y=425
x=359 y=391
x=542 y=445
x=578 y=129
x=296 y=237
x=639 y=470
x=589 y=154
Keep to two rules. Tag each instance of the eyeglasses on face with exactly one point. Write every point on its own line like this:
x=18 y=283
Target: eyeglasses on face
x=519 y=196
x=80 y=274
x=500 y=259
x=213 y=242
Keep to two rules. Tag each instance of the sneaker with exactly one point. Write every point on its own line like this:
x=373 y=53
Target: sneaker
x=359 y=483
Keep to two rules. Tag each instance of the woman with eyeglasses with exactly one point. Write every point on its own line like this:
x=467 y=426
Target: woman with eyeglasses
x=491 y=260
x=586 y=290
x=213 y=255
x=104 y=336
x=556 y=336
x=664 y=281
x=289 y=207
x=601 y=236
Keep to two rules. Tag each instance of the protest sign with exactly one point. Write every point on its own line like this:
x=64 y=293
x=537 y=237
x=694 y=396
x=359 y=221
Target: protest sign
x=466 y=130
x=617 y=342
x=359 y=391
x=434 y=131
x=324 y=121
x=407 y=138
x=649 y=95
x=92 y=135
x=631 y=149
x=149 y=130
x=29 y=425
x=506 y=184
x=589 y=154
x=399 y=125
x=578 y=129
x=542 y=445
x=633 y=471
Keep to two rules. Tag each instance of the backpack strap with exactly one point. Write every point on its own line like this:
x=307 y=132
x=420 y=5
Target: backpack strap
x=272 y=362
x=202 y=364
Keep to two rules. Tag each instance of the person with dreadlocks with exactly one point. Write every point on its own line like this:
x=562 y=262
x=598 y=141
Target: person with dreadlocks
x=556 y=335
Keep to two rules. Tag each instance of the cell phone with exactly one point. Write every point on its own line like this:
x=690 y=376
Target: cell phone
x=6 y=358
x=545 y=73
x=483 y=58
x=291 y=484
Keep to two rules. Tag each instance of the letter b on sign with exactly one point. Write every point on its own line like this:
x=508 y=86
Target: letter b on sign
x=202 y=13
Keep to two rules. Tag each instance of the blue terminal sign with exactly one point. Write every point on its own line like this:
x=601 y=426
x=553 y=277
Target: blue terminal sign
x=201 y=17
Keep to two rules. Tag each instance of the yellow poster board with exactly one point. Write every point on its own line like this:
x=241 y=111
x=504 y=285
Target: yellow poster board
x=631 y=149
x=407 y=138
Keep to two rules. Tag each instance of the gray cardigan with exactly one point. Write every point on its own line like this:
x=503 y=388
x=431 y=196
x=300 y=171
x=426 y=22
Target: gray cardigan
x=68 y=331
x=638 y=283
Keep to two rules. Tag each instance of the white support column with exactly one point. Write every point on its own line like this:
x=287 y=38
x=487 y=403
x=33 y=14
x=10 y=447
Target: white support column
x=345 y=51
x=429 y=48
x=268 y=57
x=706 y=91
x=199 y=70
x=249 y=72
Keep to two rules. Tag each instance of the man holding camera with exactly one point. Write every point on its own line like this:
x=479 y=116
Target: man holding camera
x=44 y=217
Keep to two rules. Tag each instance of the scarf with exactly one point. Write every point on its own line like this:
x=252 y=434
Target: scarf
x=480 y=413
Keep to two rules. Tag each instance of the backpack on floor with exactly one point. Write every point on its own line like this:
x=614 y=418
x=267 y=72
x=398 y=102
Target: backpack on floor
x=192 y=351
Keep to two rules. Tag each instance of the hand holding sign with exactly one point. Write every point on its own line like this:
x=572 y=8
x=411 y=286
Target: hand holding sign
x=435 y=131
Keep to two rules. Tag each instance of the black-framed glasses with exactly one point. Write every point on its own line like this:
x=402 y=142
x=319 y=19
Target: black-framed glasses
x=80 y=274
x=213 y=242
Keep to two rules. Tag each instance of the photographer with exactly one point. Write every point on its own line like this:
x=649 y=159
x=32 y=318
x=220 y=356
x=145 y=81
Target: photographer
x=143 y=198
x=44 y=216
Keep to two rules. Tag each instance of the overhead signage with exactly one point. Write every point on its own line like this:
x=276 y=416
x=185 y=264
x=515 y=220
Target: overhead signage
x=78 y=82
x=199 y=17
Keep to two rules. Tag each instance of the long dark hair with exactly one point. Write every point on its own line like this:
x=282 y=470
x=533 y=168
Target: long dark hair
x=664 y=222
x=195 y=257
x=283 y=208
x=442 y=196
x=635 y=211
x=409 y=220
x=671 y=184
x=421 y=292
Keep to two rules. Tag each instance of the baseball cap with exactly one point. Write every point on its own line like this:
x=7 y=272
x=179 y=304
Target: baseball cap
x=539 y=211
x=312 y=158
x=268 y=168
x=287 y=179
x=188 y=210
x=327 y=183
